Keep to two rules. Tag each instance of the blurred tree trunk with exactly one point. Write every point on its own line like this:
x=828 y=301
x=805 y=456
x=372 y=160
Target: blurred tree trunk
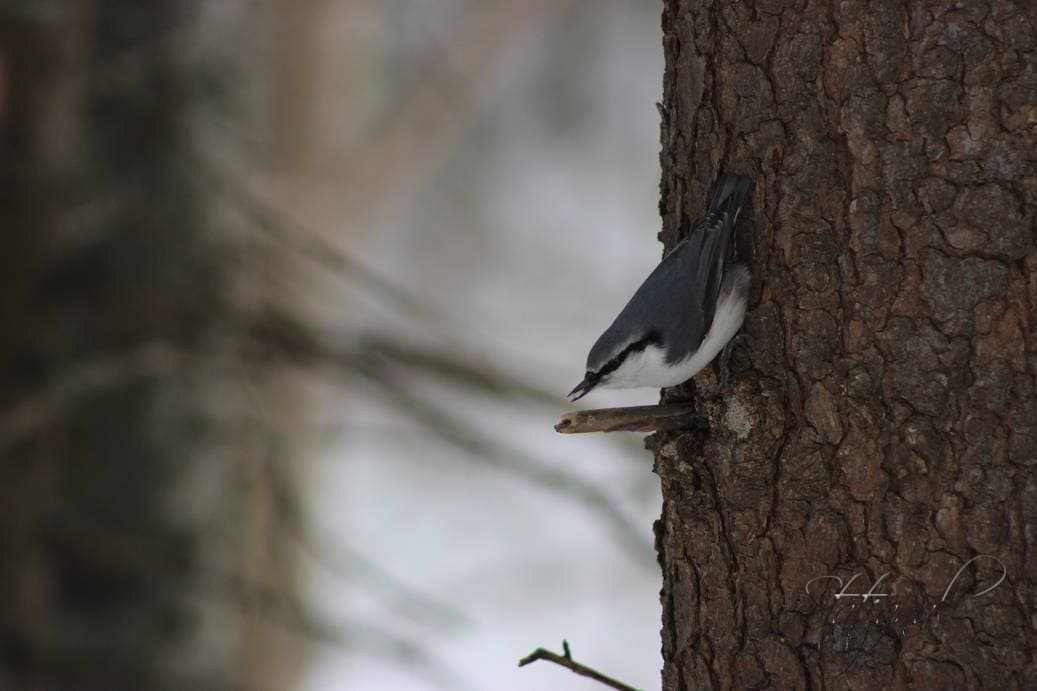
x=883 y=417
x=111 y=291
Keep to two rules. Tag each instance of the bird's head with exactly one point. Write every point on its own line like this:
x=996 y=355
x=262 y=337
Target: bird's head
x=611 y=362
x=590 y=381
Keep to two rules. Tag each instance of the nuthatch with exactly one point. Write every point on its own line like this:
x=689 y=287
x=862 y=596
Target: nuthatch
x=685 y=312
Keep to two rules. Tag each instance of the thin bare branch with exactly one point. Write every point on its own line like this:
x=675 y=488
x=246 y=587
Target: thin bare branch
x=642 y=418
x=456 y=368
x=287 y=337
x=465 y=436
x=566 y=660
x=280 y=226
x=46 y=406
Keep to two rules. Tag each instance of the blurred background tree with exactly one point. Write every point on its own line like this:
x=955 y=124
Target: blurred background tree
x=119 y=497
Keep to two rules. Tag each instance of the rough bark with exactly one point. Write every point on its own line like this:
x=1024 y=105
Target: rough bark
x=883 y=416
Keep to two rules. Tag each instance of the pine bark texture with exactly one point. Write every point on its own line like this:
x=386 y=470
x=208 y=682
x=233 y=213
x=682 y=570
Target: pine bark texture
x=883 y=416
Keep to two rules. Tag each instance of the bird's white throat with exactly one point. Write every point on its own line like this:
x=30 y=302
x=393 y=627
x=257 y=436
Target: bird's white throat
x=648 y=368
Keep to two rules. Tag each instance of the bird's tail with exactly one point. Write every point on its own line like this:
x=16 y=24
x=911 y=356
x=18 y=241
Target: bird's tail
x=729 y=195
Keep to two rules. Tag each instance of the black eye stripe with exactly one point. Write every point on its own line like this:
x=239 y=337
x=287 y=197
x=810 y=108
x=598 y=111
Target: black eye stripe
x=652 y=338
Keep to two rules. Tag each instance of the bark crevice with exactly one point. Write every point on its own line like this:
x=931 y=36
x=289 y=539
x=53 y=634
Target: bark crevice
x=884 y=419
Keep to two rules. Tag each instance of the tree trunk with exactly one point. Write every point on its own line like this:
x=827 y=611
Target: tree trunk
x=121 y=518
x=883 y=416
x=104 y=280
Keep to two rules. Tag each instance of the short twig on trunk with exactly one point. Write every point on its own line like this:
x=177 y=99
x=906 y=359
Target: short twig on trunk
x=644 y=418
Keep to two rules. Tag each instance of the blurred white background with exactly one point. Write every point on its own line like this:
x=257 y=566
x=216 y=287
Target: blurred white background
x=496 y=162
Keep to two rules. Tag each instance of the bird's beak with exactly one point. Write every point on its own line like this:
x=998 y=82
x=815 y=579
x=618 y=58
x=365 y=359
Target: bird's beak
x=582 y=389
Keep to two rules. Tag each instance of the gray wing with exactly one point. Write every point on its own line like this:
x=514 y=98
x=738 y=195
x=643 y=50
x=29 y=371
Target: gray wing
x=675 y=304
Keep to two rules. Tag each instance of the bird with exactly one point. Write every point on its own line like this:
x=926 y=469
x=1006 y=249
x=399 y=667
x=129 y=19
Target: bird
x=686 y=311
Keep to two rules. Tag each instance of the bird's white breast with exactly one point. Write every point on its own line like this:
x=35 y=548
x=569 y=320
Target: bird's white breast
x=648 y=368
